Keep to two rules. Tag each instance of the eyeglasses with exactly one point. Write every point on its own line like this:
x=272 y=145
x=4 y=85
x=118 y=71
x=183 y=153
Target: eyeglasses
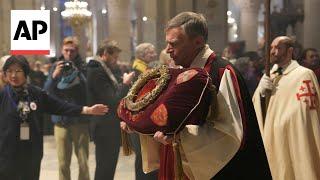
x=16 y=72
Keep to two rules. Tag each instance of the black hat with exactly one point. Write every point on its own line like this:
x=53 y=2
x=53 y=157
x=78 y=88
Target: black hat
x=20 y=60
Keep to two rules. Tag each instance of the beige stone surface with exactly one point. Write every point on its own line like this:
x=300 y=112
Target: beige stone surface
x=49 y=166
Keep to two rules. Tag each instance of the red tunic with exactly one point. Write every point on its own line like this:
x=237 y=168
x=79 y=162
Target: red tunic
x=250 y=161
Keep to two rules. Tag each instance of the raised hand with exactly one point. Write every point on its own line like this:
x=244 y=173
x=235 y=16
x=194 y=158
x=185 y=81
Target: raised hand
x=128 y=77
x=97 y=109
x=58 y=70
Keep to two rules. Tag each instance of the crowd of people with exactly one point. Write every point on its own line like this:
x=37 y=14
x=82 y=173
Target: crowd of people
x=259 y=138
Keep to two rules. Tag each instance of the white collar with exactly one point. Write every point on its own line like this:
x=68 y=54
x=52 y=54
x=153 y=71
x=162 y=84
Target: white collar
x=201 y=59
x=291 y=66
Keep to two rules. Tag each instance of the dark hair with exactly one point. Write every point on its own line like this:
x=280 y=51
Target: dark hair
x=192 y=23
x=108 y=46
x=305 y=51
x=20 y=60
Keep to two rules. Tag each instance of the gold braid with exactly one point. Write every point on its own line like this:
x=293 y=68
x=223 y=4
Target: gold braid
x=162 y=73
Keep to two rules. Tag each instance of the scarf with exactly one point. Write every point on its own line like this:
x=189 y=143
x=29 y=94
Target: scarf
x=110 y=74
x=22 y=97
x=70 y=80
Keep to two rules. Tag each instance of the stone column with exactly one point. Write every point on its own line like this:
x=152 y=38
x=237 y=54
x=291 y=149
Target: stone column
x=158 y=13
x=138 y=29
x=149 y=27
x=152 y=30
x=185 y=5
x=119 y=26
x=99 y=26
x=5 y=7
x=22 y=5
x=55 y=29
x=164 y=14
x=311 y=24
x=298 y=29
x=249 y=23
x=216 y=14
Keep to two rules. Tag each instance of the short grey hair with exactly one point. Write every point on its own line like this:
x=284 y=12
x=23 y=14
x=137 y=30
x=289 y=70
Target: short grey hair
x=141 y=50
x=192 y=23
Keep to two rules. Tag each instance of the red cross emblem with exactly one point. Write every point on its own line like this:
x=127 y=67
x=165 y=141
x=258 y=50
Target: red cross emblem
x=307 y=94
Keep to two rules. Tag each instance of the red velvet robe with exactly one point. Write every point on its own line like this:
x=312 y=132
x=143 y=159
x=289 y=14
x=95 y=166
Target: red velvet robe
x=250 y=161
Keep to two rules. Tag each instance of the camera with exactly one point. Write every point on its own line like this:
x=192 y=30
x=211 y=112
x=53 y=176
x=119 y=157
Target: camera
x=67 y=65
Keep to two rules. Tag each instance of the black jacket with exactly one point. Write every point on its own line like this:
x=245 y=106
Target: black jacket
x=102 y=90
x=10 y=123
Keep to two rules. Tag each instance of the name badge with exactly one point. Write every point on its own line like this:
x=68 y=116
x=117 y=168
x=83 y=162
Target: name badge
x=24 y=131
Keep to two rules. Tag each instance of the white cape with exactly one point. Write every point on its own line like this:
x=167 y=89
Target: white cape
x=291 y=129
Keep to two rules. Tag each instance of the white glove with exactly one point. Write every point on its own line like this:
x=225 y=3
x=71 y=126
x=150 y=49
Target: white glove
x=265 y=84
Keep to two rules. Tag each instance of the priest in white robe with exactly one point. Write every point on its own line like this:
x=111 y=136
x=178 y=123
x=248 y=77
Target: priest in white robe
x=289 y=122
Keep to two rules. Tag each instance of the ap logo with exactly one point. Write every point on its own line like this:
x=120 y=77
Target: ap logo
x=30 y=32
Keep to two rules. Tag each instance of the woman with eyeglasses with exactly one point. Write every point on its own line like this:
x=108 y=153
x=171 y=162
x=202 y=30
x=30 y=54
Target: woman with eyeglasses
x=21 y=107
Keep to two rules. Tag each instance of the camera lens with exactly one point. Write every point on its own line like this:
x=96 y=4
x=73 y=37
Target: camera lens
x=67 y=66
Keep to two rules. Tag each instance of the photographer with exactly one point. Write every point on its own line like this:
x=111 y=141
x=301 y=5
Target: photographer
x=66 y=80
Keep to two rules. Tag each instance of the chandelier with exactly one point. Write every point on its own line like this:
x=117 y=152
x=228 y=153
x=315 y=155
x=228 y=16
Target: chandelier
x=76 y=13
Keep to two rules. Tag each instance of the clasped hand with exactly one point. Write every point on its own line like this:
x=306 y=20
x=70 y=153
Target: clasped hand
x=158 y=136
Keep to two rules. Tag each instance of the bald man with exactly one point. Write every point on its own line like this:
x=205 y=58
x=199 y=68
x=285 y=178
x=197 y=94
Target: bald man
x=290 y=128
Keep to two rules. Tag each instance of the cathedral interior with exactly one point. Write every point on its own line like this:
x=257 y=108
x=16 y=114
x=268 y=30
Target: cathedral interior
x=237 y=26
x=131 y=22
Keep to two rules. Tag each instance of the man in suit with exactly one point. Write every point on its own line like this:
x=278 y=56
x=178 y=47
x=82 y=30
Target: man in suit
x=106 y=84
